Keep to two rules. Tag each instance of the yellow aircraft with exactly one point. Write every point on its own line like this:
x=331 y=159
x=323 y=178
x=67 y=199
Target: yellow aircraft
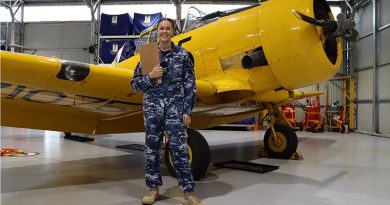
x=255 y=54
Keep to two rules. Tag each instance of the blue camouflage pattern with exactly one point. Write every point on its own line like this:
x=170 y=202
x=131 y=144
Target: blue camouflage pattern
x=164 y=106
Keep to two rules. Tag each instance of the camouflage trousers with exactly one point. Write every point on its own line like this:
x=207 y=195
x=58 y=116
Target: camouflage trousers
x=160 y=115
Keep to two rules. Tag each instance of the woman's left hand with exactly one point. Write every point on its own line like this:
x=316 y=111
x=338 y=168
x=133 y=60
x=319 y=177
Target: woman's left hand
x=186 y=119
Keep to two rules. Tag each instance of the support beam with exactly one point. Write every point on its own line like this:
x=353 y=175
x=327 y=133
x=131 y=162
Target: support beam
x=178 y=4
x=94 y=7
x=15 y=7
x=375 y=104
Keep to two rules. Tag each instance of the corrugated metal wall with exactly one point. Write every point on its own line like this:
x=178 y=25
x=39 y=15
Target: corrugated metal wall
x=5 y=37
x=66 y=40
x=333 y=91
x=362 y=64
x=4 y=33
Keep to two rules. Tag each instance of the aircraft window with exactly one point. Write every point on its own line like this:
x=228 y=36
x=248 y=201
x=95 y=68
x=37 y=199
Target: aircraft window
x=193 y=14
x=215 y=16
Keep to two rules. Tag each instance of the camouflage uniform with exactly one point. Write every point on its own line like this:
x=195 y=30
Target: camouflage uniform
x=164 y=106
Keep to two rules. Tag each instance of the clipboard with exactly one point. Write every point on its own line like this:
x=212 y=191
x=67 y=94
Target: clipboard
x=149 y=57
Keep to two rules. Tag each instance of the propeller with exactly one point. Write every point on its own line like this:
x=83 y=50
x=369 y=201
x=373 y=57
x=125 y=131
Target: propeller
x=346 y=28
x=342 y=27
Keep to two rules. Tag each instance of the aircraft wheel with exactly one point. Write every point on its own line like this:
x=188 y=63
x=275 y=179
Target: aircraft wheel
x=198 y=152
x=286 y=142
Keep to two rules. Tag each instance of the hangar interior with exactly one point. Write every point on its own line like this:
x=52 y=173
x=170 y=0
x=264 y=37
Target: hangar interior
x=338 y=168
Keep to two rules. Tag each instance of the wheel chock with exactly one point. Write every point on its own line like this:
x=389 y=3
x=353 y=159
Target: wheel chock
x=297 y=155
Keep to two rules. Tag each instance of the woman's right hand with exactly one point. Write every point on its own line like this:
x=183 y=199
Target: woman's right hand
x=156 y=72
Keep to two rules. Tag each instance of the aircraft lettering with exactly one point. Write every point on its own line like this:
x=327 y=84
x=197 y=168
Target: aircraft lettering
x=5 y=85
x=15 y=92
x=59 y=98
x=32 y=93
x=85 y=98
x=110 y=107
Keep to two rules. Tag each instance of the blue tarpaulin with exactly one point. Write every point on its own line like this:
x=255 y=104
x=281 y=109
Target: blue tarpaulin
x=144 y=21
x=109 y=49
x=121 y=24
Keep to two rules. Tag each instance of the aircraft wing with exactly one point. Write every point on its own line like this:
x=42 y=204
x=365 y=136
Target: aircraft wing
x=283 y=96
x=53 y=94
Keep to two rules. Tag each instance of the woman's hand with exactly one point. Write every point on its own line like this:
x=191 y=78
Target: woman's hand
x=186 y=119
x=156 y=72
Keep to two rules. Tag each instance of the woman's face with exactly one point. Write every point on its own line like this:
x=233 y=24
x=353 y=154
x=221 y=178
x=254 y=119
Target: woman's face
x=165 y=31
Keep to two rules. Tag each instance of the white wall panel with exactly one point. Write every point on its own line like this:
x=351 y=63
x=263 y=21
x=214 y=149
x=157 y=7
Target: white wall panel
x=48 y=53
x=364 y=80
x=384 y=82
x=384 y=14
x=364 y=116
x=384 y=46
x=335 y=92
x=65 y=40
x=362 y=53
x=363 y=19
x=76 y=35
x=43 y=36
x=362 y=57
x=384 y=118
x=75 y=55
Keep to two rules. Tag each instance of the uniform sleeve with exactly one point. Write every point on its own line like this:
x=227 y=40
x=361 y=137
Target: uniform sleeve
x=140 y=83
x=189 y=85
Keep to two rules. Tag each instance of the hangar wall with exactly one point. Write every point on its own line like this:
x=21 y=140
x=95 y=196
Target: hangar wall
x=5 y=35
x=332 y=92
x=66 y=40
x=363 y=58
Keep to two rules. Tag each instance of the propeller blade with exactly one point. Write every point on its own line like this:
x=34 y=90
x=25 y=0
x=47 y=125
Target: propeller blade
x=328 y=25
x=343 y=27
x=307 y=19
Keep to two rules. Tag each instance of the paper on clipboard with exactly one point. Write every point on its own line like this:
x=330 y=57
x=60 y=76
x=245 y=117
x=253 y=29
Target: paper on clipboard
x=149 y=57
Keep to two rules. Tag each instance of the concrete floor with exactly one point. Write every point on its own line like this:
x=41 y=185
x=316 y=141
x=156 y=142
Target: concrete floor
x=337 y=169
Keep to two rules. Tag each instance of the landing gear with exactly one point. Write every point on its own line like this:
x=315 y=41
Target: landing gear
x=280 y=140
x=283 y=144
x=199 y=154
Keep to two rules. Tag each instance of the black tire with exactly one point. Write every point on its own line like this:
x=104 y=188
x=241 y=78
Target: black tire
x=199 y=157
x=288 y=138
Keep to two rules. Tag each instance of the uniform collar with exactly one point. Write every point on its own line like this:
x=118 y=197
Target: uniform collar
x=172 y=47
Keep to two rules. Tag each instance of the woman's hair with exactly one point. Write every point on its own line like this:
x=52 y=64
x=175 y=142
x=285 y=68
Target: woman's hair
x=173 y=23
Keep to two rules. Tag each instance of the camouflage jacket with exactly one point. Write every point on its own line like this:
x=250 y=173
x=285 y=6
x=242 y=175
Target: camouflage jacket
x=178 y=81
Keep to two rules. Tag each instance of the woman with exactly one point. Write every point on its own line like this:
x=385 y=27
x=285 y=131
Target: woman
x=169 y=96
